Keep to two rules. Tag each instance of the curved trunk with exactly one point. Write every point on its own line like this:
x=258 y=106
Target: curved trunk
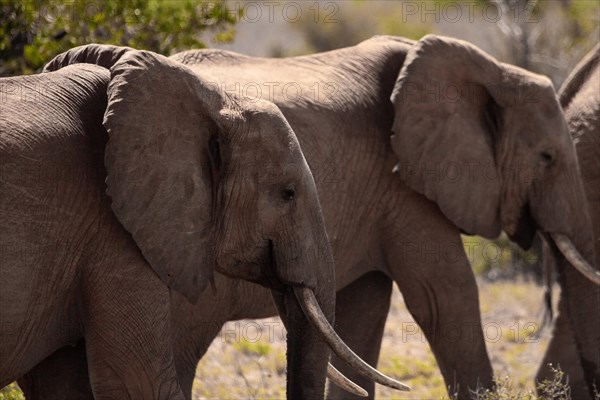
x=562 y=352
x=307 y=354
x=580 y=301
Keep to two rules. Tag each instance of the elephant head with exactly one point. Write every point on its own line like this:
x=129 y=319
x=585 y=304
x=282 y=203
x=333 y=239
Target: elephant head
x=204 y=180
x=488 y=142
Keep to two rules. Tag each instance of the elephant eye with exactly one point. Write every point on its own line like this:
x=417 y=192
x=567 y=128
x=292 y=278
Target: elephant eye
x=547 y=157
x=289 y=193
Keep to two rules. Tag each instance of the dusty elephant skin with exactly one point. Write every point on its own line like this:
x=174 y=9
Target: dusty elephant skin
x=98 y=225
x=580 y=98
x=452 y=106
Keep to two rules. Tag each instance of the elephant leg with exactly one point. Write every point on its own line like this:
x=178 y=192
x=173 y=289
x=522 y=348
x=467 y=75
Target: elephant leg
x=190 y=346
x=562 y=353
x=426 y=258
x=366 y=300
x=64 y=374
x=61 y=376
x=126 y=320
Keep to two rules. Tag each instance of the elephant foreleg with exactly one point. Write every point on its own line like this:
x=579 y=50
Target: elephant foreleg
x=61 y=376
x=360 y=315
x=126 y=319
x=426 y=258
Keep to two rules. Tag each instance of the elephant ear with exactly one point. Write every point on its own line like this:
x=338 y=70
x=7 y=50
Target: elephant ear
x=104 y=55
x=161 y=119
x=579 y=76
x=446 y=119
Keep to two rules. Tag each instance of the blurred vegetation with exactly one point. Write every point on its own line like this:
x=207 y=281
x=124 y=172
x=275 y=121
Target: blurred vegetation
x=349 y=23
x=258 y=348
x=502 y=259
x=547 y=37
x=11 y=392
x=32 y=32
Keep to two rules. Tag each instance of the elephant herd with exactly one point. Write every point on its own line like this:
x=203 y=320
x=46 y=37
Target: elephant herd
x=145 y=196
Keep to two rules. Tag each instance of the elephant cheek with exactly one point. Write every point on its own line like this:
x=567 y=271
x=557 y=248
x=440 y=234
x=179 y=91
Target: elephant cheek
x=303 y=262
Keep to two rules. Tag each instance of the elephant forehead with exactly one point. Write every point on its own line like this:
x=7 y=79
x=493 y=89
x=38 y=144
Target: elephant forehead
x=273 y=170
x=268 y=134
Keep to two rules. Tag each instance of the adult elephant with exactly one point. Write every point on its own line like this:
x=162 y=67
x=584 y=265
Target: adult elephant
x=453 y=108
x=580 y=99
x=87 y=258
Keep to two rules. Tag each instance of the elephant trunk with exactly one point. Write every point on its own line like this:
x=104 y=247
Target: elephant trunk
x=572 y=241
x=560 y=210
x=308 y=311
x=305 y=261
x=580 y=299
x=305 y=369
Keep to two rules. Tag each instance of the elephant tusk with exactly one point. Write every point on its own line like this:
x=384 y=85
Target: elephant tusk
x=572 y=255
x=312 y=310
x=332 y=373
x=339 y=379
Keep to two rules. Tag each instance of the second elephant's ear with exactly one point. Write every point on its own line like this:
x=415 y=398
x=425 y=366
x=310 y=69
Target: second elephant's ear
x=160 y=119
x=104 y=55
x=445 y=120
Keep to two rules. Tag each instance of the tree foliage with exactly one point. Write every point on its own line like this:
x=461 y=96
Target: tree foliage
x=547 y=37
x=34 y=31
x=346 y=23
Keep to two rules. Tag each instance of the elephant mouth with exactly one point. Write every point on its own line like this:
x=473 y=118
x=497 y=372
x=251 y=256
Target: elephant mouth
x=525 y=230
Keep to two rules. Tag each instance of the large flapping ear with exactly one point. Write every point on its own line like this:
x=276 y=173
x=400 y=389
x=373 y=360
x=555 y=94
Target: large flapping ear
x=446 y=119
x=100 y=54
x=162 y=119
x=579 y=76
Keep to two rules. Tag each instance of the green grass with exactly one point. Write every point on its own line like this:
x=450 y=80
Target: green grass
x=258 y=348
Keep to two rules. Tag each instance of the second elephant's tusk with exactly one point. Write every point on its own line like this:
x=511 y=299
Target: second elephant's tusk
x=339 y=379
x=575 y=259
x=313 y=312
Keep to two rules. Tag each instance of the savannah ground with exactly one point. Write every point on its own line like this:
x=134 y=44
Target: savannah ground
x=247 y=360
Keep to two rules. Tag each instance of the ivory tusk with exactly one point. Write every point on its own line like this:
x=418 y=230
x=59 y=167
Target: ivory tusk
x=574 y=257
x=339 y=379
x=313 y=312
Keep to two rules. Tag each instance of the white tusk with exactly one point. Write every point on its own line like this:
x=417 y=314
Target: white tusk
x=312 y=310
x=575 y=259
x=339 y=379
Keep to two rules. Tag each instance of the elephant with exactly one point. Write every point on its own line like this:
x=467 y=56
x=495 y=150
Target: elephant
x=381 y=124
x=580 y=99
x=122 y=187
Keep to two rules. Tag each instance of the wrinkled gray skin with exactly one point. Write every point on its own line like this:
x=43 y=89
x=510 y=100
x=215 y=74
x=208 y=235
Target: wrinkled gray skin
x=404 y=227
x=580 y=98
x=98 y=224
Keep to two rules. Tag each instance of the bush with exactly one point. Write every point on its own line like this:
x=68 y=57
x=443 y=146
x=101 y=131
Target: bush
x=33 y=32
x=556 y=389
